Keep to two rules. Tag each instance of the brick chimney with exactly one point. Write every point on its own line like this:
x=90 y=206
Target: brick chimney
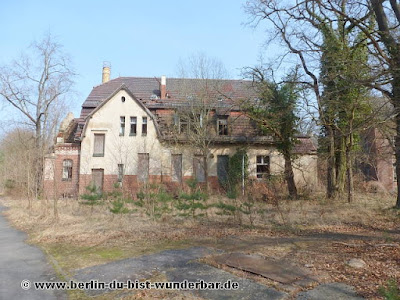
x=163 y=87
x=106 y=72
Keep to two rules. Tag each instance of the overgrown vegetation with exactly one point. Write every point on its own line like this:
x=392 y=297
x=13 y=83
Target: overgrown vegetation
x=391 y=291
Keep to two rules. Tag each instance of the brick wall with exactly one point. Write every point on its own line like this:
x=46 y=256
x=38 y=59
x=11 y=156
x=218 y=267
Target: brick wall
x=54 y=184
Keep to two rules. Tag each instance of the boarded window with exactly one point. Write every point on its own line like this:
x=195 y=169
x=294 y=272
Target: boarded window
x=133 y=126
x=122 y=126
x=98 y=144
x=143 y=167
x=176 y=166
x=263 y=169
x=222 y=168
x=199 y=168
x=97 y=179
x=120 y=172
x=144 y=126
x=222 y=126
x=67 y=169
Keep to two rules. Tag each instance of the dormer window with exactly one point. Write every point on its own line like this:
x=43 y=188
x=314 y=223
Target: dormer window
x=222 y=126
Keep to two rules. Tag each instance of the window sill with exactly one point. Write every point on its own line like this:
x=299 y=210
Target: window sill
x=98 y=155
x=132 y=134
x=144 y=134
x=66 y=179
x=121 y=134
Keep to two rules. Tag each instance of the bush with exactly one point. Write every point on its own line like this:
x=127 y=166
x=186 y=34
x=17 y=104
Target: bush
x=391 y=291
x=117 y=207
x=190 y=203
x=92 y=197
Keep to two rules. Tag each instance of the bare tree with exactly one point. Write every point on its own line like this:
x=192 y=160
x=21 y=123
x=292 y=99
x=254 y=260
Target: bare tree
x=329 y=48
x=16 y=162
x=195 y=121
x=34 y=85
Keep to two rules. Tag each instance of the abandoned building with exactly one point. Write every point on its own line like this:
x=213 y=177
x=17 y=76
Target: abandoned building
x=377 y=161
x=133 y=130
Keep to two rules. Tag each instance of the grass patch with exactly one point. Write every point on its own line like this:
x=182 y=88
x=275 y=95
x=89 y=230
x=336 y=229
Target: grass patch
x=72 y=257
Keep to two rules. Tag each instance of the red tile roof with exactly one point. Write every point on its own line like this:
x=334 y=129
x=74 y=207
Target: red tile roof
x=179 y=92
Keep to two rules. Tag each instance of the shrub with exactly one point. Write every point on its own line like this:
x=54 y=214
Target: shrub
x=391 y=291
x=117 y=207
x=190 y=203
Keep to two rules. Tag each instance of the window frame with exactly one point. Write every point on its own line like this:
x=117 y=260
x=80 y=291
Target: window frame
x=263 y=164
x=69 y=170
x=122 y=126
x=133 y=125
x=222 y=129
x=94 y=145
x=144 y=125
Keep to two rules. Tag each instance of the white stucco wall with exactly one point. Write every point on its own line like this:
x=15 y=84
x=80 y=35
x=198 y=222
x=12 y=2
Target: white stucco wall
x=120 y=149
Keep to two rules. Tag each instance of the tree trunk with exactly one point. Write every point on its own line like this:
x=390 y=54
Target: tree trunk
x=289 y=176
x=396 y=103
x=341 y=163
x=38 y=159
x=331 y=171
x=349 y=167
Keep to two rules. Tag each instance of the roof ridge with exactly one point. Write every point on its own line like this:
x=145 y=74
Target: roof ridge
x=177 y=78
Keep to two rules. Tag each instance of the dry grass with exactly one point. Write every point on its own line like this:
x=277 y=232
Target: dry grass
x=83 y=236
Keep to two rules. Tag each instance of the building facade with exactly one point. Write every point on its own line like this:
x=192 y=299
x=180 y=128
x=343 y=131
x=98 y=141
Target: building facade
x=135 y=130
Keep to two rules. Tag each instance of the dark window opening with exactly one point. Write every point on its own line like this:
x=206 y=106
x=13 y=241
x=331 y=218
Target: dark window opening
x=144 y=126
x=222 y=126
x=263 y=170
x=133 y=126
x=223 y=169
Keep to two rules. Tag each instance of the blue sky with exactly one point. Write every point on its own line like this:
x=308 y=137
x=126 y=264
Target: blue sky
x=138 y=38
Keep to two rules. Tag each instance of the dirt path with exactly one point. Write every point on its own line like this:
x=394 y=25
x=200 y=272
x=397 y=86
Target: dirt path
x=20 y=261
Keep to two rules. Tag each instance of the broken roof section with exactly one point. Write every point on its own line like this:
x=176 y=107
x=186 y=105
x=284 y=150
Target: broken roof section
x=178 y=91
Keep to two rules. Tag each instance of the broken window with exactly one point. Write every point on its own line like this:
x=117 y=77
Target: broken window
x=98 y=144
x=263 y=170
x=122 y=126
x=222 y=126
x=144 y=126
x=133 y=126
x=67 y=169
